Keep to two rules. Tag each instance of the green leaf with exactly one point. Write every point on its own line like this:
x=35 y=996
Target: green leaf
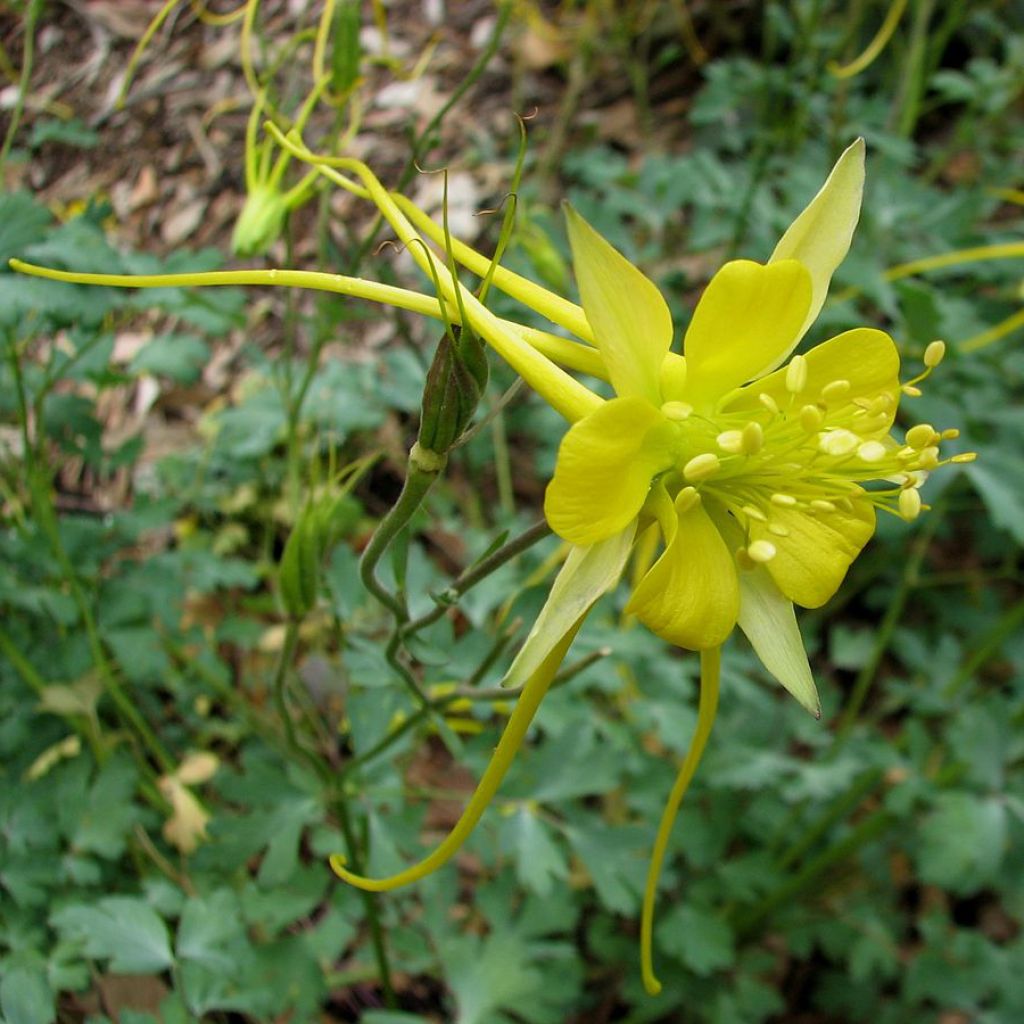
x=107 y=815
x=124 y=930
x=539 y=860
x=25 y=996
x=1001 y=487
x=178 y=356
x=962 y=842
x=23 y=221
x=699 y=938
x=209 y=928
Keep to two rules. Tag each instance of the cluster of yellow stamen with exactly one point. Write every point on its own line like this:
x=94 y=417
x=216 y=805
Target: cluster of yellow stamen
x=813 y=453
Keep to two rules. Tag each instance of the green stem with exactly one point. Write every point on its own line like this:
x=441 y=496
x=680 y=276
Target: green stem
x=28 y=57
x=424 y=469
x=845 y=802
x=866 y=676
x=126 y=709
x=990 y=642
x=914 y=75
x=380 y=951
x=870 y=828
x=502 y=466
x=475 y=574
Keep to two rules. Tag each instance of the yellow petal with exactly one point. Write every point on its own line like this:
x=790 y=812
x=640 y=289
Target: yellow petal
x=811 y=561
x=820 y=237
x=769 y=623
x=691 y=595
x=865 y=357
x=605 y=465
x=630 y=319
x=747 y=316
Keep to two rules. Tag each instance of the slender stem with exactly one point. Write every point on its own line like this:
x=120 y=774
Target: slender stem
x=418 y=481
x=710 y=673
x=126 y=709
x=280 y=685
x=915 y=73
x=377 y=941
x=843 y=803
x=28 y=56
x=1006 y=626
x=502 y=465
x=866 y=676
x=475 y=574
x=867 y=830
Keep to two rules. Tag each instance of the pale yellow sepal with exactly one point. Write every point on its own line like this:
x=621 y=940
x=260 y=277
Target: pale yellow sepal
x=691 y=595
x=631 y=321
x=605 y=465
x=820 y=236
x=769 y=622
x=588 y=573
x=748 y=316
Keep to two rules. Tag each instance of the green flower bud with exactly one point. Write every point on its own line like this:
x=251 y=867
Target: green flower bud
x=260 y=223
x=299 y=571
x=455 y=381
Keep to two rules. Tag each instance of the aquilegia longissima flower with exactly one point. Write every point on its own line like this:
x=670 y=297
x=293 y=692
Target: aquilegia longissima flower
x=756 y=474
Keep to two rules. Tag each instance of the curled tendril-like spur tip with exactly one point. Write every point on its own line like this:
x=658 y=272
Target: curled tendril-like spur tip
x=511 y=739
x=710 y=668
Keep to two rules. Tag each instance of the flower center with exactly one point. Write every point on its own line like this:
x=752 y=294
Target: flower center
x=822 y=453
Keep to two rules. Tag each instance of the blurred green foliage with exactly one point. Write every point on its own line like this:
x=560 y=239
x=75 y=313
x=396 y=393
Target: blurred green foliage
x=868 y=867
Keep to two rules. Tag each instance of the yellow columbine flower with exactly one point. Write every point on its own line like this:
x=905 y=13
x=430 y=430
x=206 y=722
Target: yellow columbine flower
x=759 y=480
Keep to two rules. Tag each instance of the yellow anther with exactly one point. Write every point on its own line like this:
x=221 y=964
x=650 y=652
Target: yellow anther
x=871 y=451
x=686 y=499
x=753 y=438
x=702 y=466
x=677 y=411
x=910 y=503
x=835 y=390
x=778 y=529
x=921 y=435
x=811 y=418
x=928 y=458
x=950 y=434
x=730 y=441
x=911 y=391
x=768 y=402
x=784 y=500
x=761 y=551
x=934 y=354
x=906 y=454
x=754 y=513
x=672 y=376
x=821 y=505
x=838 y=442
x=796 y=375
x=964 y=457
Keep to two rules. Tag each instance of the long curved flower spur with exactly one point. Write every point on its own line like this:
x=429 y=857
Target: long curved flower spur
x=758 y=481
